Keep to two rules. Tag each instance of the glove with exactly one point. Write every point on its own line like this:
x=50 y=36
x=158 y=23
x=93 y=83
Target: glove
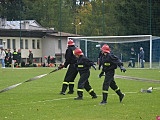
x=101 y=74
x=94 y=66
x=122 y=69
x=60 y=66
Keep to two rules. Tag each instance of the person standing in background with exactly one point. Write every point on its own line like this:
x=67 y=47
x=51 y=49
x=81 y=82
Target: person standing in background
x=19 y=57
x=8 y=58
x=15 y=56
x=30 y=57
x=3 y=55
x=132 y=58
x=141 y=57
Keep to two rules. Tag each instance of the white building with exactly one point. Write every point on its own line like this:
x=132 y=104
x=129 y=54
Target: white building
x=29 y=35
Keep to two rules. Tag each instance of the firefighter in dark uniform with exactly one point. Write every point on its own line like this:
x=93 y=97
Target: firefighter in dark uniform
x=6 y=58
x=110 y=63
x=9 y=58
x=15 y=57
x=19 y=57
x=72 y=72
x=83 y=66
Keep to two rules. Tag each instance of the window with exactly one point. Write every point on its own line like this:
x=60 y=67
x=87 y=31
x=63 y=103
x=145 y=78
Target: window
x=8 y=43
x=38 y=44
x=33 y=44
x=1 y=42
x=21 y=44
x=59 y=44
x=26 y=44
x=13 y=43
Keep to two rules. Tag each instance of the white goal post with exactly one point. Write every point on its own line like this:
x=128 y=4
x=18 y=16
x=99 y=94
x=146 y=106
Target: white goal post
x=137 y=41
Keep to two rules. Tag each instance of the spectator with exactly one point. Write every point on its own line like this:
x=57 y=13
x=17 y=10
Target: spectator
x=141 y=57
x=132 y=58
x=48 y=60
x=3 y=55
x=9 y=58
x=30 y=57
x=53 y=60
x=19 y=57
x=15 y=56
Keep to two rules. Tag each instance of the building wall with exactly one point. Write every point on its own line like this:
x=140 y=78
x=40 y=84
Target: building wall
x=49 y=45
x=36 y=52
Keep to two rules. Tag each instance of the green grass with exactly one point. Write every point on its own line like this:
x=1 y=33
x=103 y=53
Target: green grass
x=40 y=99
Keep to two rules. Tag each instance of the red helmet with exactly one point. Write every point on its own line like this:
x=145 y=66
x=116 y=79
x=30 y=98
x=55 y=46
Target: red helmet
x=105 y=48
x=78 y=51
x=70 y=42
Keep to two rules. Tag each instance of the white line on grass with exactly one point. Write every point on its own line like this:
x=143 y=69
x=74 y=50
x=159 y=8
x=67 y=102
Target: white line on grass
x=58 y=99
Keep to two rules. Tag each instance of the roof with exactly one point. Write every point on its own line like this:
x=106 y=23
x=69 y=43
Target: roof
x=25 y=28
x=64 y=34
x=31 y=24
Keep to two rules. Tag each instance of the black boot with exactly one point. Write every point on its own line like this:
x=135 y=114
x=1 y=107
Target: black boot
x=104 y=101
x=80 y=95
x=64 y=88
x=93 y=94
x=120 y=94
x=71 y=87
x=121 y=97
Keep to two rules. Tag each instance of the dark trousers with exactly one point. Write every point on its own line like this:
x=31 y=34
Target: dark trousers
x=133 y=62
x=83 y=83
x=69 y=78
x=109 y=82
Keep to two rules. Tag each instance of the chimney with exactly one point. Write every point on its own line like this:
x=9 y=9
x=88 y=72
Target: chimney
x=26 y=24
x=3 y=22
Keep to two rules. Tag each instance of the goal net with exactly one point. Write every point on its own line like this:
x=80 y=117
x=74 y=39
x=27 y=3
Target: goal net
x=121 y=47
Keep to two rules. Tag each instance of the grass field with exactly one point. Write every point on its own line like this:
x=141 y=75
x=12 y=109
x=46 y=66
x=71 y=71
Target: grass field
x=40 y=99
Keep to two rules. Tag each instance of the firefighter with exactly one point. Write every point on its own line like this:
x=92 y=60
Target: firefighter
x=15 y=57
x=110 y=63
x=6 y=58
x=83 y=66
x=19 y=57
x=9 y=58
x=72 y=72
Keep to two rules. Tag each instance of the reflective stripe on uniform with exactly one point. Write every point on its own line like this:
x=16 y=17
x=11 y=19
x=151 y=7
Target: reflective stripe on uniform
x=15 y=53
x=90 y=90
x=71 y=82
x=80 y=66
x=116 y=89
x=80 y=90
x=65 y=83
x=104 y=91
x=107 y=64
